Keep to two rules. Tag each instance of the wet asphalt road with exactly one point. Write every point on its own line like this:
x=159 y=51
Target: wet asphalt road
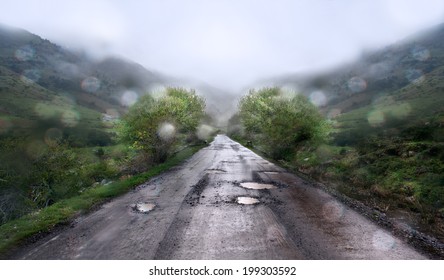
x=197 y=217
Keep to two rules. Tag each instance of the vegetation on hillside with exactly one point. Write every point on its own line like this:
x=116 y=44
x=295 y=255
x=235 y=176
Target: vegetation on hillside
x=45 y=163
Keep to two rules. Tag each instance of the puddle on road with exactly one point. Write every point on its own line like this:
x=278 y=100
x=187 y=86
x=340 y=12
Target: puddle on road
x=144 y=207
x=246 y=200
x=257 y=186
x=270 y=172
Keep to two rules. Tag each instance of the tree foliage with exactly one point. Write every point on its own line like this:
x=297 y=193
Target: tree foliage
x=153 y=125
x=279 y=121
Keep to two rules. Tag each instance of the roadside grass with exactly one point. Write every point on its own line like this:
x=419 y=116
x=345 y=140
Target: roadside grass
x=17 y=231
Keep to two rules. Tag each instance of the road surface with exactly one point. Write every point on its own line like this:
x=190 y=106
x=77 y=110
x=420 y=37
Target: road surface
x=197 y=215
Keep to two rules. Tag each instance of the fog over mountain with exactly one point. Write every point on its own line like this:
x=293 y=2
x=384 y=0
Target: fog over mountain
x=228 y=44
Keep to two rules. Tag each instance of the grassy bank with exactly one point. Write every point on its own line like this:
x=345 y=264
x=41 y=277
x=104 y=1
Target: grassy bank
x=17 y=231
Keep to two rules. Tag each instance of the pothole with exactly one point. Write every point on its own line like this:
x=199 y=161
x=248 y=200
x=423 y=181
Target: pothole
x=257 y=186
x=215 y=170
x=246 y=200
x=143 y=207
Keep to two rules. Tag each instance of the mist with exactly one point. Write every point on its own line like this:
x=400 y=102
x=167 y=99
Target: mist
x=228 y=44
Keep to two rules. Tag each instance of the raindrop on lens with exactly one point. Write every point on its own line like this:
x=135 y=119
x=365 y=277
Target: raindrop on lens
x=30 y=76
x=318 y=98
x=128 y=98
x=24 y=53
x=166 y=131
x=376 y=118
x=382 y=241
x=90 y=84
x=357 y=84
x=420 y=53
x=53 y=135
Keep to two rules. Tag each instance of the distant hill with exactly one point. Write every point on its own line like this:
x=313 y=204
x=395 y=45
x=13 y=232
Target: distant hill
x=33 y=70
x=98 y=85
x=409 y=69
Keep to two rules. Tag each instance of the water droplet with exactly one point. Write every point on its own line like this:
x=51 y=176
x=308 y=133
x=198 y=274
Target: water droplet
x=166 y=131
x=70 y=118
x=382 y=241
x=45 y=111
x=420 y=53
x=376 y=118
x=129 y=98
x=4 y=125
x=36 y=148
x=53 y=135
x=90 y=84
x=30 y=76
x=318 y=98
x=333 y=113
x=204 y=131
x=25 y=53
x=357 y=84
x=401 y=111
x=333 y=211
x=415 y=76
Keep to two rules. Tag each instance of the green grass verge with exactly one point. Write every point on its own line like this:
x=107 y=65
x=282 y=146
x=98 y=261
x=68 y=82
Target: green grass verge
x=16 y=231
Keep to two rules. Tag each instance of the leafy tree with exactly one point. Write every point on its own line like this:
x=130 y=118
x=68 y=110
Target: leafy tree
x=153 y=125
x=281 y=122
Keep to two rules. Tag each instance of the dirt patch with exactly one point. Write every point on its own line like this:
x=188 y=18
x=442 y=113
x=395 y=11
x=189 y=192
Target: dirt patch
x=194 y=195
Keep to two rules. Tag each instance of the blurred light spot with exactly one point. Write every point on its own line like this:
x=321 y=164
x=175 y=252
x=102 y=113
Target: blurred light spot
x=415 y=76
x=166 y=131
x=70 y=118
x=379 y=70
x=420 y=53
x=333 y=113
x=376 y=118
x=90 y=84
x=68 y=69
x=383 y=100
x=63 y=100
x=157 y=91
x=357 y=84
x=44 y=110
x=128 y=98
x=36 y=148
x=289 y=91
x=25 y=53
x=4 y=125
x=30 y=76
x=204 y=131
x=401 y=111
x=324 y=152
x=333 y=211
x=53 y=135
x=318 y=98
x=113 y=113
x=382 y=241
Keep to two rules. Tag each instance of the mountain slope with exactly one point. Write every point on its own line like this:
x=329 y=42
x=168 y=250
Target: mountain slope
x=377 y=73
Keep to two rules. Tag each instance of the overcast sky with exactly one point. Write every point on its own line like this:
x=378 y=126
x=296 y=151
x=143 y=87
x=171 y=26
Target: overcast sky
x=228 y=43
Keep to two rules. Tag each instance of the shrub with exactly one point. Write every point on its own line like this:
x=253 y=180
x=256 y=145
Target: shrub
x=151 y=125
x=281 y=123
